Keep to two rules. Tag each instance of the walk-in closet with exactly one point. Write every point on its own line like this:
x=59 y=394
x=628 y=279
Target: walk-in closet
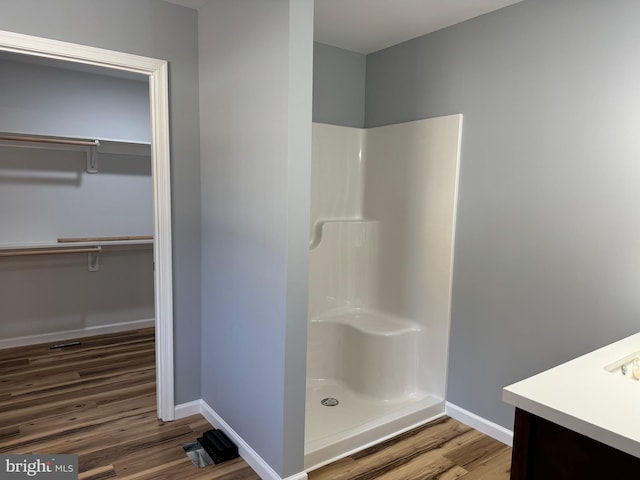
x=76 y=202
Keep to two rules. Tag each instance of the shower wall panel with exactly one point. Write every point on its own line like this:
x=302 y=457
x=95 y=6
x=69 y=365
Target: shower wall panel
x=343 y=267
x=410 y=186
x=336 y=175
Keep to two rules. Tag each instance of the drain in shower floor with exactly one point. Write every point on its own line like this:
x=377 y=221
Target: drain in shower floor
x=329 y=402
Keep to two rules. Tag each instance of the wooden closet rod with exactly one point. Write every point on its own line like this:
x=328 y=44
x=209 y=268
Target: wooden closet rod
x=48 y=251
x=105 y=239
x=57 y=141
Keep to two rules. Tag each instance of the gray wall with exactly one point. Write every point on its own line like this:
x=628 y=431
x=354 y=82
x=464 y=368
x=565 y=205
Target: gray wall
x=47 y=100
x=547 y=256
x=155 y=29
x=255 y=91
x=338 y=86
x=54 y=294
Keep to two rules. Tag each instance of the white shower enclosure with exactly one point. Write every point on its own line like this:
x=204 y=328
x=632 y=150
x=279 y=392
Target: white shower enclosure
x=383 y=204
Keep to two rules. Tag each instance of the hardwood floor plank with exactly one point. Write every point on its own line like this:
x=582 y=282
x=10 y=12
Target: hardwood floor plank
x=49 y=365
x=453 y=474
x=79 y=428
x=22 y=385
x=496 y=468
x=68 y=404
x=444 y=450
x=198 y=423
x=100 y=473
x=17 y=418
x=476 y=452
x=61 y=422
x=56 y=364
x=6 y=433
x=434 y=463
x=72 y=386
x=429 y=436
x=178 y=469
x=93 y=455
x=13 y=363
x=391 y=455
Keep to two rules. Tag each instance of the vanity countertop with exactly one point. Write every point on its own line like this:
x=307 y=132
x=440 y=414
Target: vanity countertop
x=584 y=396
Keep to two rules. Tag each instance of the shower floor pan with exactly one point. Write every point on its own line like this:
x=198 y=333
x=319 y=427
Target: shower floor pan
x=357 y=421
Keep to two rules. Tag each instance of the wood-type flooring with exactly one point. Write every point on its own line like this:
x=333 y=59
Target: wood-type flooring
x=97 y=400
x=444 y=449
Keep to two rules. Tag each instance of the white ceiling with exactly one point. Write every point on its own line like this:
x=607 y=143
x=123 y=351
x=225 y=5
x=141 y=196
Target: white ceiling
x=367 y=26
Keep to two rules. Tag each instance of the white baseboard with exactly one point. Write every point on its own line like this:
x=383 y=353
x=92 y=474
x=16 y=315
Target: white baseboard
x=187 y=409
x=79 y=333
x=265 y=472
x=255 y=461
x=481 y=424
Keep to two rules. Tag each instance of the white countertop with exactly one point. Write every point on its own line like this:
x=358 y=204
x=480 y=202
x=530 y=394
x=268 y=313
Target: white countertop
x=583 y=396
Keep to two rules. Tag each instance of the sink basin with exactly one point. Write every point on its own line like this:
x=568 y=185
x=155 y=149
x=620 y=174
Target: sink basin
x=628 y=367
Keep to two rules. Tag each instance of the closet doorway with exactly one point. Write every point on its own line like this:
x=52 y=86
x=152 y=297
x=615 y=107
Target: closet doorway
x=157 y=73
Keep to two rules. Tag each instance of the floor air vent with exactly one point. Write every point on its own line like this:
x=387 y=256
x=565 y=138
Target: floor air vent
x=213 y=447
x=218 y=446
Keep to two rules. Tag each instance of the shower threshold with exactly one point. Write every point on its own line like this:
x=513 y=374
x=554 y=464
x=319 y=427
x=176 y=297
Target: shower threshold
x=357 y=421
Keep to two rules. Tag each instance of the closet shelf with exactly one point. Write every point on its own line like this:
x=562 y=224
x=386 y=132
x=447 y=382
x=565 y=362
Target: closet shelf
x=92 y=148
x=92 y=246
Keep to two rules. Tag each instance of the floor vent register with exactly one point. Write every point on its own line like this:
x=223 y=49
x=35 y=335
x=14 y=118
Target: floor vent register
x=213 y=447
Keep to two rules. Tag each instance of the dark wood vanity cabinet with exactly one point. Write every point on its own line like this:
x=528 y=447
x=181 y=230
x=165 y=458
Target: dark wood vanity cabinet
x=543 y=450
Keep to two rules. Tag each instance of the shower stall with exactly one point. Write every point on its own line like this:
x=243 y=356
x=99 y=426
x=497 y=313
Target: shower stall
x=383 y=203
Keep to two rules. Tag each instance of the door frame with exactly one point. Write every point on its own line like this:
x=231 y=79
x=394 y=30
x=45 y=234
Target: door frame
x=157 y=72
